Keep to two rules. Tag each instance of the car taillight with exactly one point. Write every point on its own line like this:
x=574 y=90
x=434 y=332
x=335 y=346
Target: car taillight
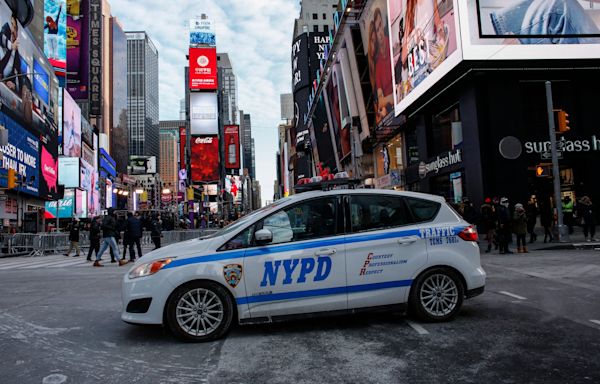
x=468 y=234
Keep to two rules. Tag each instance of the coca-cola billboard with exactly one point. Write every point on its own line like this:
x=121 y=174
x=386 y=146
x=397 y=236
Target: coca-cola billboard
x=232 y=148
x=204 y=162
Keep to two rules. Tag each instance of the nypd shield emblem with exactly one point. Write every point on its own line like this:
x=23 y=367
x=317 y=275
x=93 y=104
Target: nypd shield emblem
x=232 y=274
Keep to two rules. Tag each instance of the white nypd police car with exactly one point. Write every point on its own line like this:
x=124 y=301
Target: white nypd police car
x=315 y=252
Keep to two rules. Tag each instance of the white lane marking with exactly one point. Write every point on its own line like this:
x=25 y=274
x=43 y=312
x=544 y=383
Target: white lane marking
x=55 y=264
x=595 y=322
x=513 y=295
x=31 y=262
x=420 y=330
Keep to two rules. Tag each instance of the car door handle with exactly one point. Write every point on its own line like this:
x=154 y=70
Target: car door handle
x=407 y=240
x=325 y=252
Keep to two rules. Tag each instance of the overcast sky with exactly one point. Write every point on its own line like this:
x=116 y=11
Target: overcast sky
x=257 y=34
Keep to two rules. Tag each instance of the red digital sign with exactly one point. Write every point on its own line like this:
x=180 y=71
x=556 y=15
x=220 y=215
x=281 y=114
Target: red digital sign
x=232 y=147
x=204 y=161
x=203 y=68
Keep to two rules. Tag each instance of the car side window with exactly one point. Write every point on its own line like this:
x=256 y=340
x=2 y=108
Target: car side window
x=308 y=220
x=242 y=240
x=423 y=210
x=373 y=212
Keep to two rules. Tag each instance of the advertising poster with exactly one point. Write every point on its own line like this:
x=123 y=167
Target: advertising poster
x=205 y=158
x=203 y=113
x=68 y=172
x=375 y=34
x=300 y=63
x=65 y=206
x=55 y=34
x=87 y=133
x=323 y=137
x=203 y=68
x=142 y=165
x=71 y=127
x=30 y=99
x=338 y=106
x=423 y=42
x=86 y=178
x=94 y=201
x=78 y=48
x=87 y=153
x=202 y=32
x=22 y=153
x=48 y=171
x=182 y=148
x=81 y=200
x=89 y=183
x=232 y=147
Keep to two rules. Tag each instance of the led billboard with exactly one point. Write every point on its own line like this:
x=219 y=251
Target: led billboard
x=72 y=127
x=204 y=162
x=55 y=35
x=78 y=48
x=232 y=147
x=63 y=207
x=68 y=172
x=203 y=68
x=202 y=32
x=22 y=153
x=424 y=46
x=203 y=113
x=142 y=165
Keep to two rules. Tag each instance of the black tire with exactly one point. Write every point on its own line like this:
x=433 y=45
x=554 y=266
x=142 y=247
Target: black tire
x=193 y=308
x=429 y=302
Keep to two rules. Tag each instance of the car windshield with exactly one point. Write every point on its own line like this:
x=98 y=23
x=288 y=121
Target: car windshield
x=233 y=227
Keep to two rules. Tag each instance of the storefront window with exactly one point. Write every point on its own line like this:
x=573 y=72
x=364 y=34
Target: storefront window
x=446 y=131
x=390 y=156
x=450 y=186
x=412 y=147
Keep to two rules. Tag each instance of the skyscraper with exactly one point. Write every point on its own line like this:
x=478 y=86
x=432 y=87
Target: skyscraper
x=247 y=154
x=228 y=86
x=142 y=95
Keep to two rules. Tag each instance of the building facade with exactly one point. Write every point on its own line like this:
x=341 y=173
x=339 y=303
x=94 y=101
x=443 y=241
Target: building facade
x=228 y=87
x=169 y=158
x=246 y=137
x=142 y=95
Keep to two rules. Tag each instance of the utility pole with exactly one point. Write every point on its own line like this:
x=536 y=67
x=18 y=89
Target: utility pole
x=562 y=234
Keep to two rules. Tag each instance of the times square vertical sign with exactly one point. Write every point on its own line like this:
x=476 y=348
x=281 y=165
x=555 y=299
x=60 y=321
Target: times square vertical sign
x=95 y=57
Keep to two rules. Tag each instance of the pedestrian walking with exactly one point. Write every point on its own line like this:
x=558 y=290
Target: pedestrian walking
x=94 y=229
x=504 y=226
x=531 y=211
x=156 y=231
x=546 y=219
x=567 y=208
x=519 y=226
x=74 y=229
x=134 y=235
x=488 y=222
x=587 y=212
x=122 y=228
x=109 y=232
x=469 y=213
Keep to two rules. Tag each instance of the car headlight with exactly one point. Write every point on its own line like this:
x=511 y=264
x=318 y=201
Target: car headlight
x=148 y=269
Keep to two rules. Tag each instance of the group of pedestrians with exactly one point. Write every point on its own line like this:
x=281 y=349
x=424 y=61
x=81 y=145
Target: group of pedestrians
x=105 y=232
x=499 y=220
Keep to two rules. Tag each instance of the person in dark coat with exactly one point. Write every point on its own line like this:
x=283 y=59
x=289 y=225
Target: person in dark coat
x=156 y=231
x=133 y=235
x=587 y=212
x=504 y=225
x=488 y=222
x=546 y=219
x=519 y=227
x=94 y=237
x=74 y=229
x=109 y=233
x=531 y=211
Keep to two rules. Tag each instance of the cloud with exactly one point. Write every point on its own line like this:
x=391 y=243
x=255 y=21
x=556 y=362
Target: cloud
x=257 y=35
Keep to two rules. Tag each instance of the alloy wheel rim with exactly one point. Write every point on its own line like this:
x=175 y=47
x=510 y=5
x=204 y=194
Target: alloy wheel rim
x=439 y=295
x=199 y=312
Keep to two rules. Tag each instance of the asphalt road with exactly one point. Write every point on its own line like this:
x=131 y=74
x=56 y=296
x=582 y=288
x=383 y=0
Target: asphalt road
x=60 y=323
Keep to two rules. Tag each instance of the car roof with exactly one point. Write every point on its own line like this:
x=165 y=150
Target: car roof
x=362 y=191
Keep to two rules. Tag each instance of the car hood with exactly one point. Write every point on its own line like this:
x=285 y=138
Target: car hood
x=194 y=247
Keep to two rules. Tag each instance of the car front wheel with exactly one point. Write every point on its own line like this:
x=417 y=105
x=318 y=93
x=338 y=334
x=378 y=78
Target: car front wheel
x=437 y=295
x=200 y=311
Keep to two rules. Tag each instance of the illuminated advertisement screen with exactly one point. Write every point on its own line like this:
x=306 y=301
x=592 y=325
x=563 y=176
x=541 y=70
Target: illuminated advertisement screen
x=203 y=68
x=81 y=201
x=65 y=206
x=322 y=137
x=202 y=32
x=232 y=146
x=337 y=106
x=203 y=113
x=55 y=34
x=529 y=30
x=68 y=172
x=204 y=158
x=78 y=48
x=424 y=46
x=22 y=153
x=71 y=127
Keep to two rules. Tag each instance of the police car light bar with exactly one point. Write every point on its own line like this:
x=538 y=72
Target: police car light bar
x=326 y=183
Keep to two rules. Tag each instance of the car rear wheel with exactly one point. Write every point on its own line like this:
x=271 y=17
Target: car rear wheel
x=200 y=311
x=437 y=295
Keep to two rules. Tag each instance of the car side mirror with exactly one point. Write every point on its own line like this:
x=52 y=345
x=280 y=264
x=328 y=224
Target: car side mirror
x=263 y=236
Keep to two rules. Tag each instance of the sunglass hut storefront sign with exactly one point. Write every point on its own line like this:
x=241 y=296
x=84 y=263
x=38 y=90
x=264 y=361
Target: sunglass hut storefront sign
x=443 y=161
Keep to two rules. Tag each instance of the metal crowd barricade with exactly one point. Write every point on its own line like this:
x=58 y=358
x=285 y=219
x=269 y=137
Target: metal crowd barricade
x=24 y=243
x=56 y=242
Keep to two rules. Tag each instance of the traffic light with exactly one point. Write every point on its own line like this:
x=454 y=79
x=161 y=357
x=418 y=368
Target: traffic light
x=542 y=170
x=12 y=179
x=563 y=121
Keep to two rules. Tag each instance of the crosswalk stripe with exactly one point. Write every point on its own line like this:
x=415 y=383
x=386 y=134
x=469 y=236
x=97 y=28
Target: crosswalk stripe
x=30 y=261
x=54 y=264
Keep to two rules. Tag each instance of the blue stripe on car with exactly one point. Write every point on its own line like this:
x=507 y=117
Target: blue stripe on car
x=322 y=292
x=261 y=251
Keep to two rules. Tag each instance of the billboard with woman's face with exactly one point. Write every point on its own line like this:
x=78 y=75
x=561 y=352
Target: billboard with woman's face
x=71 y=127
